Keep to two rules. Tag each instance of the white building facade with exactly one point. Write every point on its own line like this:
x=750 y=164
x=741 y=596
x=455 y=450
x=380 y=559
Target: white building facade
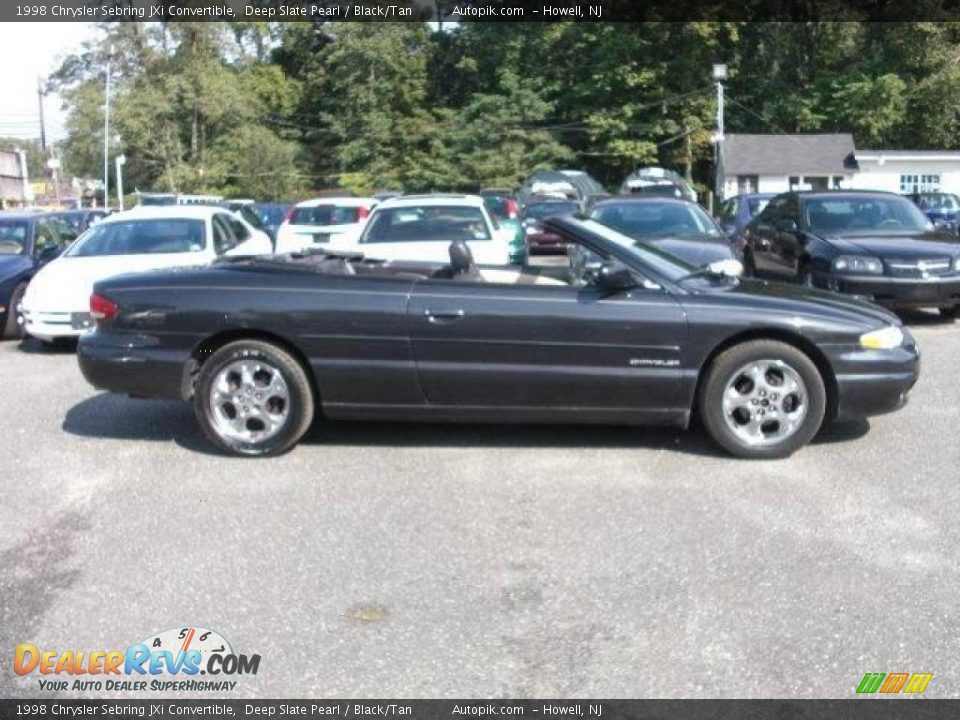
x=908 y=171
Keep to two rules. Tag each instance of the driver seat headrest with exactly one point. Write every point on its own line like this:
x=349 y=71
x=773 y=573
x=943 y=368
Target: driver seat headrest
x=461 y=258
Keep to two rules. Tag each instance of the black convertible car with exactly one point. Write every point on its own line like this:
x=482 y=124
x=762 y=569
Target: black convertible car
x=622 y=333
x=877 y=246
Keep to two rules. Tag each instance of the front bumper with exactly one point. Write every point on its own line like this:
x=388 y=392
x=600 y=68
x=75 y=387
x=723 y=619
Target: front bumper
x=874 y=382
x=894 y=292
x=50 y=325
x=132 y=364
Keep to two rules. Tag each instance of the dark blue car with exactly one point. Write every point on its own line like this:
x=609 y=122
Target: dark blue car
x=27 y=242
x=736 y=212
x=943 y=209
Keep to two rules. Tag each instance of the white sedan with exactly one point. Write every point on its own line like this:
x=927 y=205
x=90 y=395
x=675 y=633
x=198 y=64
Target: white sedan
x=322 y=221
x=56 y=304
x=421 y=227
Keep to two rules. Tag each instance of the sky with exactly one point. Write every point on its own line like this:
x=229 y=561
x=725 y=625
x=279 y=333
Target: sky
x=29 y=51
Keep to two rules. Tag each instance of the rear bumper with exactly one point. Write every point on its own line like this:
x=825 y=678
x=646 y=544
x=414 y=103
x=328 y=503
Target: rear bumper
x=131 y=364
x=546 y=244
x=901 y=292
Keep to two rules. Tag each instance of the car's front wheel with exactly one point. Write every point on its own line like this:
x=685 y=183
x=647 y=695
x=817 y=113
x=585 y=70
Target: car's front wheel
x=253 y=398
x=13 y=327
x=762 y=399
x=950 y=313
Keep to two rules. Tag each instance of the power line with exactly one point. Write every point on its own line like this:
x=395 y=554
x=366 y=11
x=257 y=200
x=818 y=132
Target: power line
x=768 y=123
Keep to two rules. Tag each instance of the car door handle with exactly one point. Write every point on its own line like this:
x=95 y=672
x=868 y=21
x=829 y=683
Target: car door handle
x=443 y=317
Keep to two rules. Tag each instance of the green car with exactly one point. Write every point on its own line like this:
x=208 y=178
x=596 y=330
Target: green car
x=503 y=206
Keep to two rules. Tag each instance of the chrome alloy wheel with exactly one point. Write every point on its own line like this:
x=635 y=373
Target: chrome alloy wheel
x=765 y=402
x=249 y=401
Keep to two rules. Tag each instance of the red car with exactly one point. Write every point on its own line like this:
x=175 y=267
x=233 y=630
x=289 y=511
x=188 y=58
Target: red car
x=540 y=240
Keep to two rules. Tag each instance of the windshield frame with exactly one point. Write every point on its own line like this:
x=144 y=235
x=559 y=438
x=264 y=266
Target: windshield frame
x=641 y=255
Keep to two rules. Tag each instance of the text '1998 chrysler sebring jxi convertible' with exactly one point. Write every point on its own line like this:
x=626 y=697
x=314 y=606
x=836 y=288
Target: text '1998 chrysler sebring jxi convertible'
x=619 y=332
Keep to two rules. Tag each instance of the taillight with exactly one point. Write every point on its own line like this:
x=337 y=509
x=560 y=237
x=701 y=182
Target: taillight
x=513 y=208
x=103 y=308
x=362 y=213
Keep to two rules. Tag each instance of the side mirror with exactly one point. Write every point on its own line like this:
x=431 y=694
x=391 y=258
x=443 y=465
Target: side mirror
x=615 y=277
x=788 y=226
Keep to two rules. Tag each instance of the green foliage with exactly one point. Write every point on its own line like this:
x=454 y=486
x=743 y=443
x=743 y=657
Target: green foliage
x=276 y=110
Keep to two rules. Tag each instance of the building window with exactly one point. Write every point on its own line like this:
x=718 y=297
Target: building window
x=747 y=184
x=910 y=184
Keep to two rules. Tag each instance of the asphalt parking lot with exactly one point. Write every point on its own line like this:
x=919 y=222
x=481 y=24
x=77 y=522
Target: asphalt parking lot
x=463 y=561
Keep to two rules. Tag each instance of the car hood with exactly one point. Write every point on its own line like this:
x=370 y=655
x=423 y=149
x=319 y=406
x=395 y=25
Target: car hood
x=760 y=296
x=899 y=246
x=11 y=265
x=695 y=249
x=66 y=283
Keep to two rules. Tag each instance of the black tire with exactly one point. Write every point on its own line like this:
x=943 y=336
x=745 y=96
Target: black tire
x=950 y=313
x=806 y=276
x=749 y=267
x=13 y=326
x=299 y=404
x=722 y=372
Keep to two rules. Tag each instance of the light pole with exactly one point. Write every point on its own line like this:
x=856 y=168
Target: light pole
x=106 y=134
x=53 y=164
x=121 y=160
x=719 y=75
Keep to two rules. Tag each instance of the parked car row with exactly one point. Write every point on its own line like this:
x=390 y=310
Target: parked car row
x=621 y=333
x=434 y=307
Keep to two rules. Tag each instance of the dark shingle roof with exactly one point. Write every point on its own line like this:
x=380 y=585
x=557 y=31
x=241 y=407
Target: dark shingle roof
x=827 y=154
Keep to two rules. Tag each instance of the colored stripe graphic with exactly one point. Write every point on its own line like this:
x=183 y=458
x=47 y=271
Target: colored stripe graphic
x=871 y=682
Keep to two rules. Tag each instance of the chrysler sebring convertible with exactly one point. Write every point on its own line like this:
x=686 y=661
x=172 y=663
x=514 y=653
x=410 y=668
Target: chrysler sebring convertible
x=620 y=332
x=877 y=246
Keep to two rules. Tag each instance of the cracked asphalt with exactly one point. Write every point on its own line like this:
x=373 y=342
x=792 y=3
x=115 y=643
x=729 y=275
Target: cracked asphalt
x=405 y=561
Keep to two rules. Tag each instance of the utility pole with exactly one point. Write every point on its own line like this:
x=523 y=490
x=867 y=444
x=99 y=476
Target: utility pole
x=43 y=127
x=106 y=134
x=120 y=160
x=719 y=74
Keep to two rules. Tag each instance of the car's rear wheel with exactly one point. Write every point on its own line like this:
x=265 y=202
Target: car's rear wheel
x=762 y=399
x=253 y=398
x=950 y=313
x=13 y=326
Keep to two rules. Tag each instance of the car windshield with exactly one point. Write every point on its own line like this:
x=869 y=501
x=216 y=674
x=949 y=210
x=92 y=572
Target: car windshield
x=13 y=236
x=656 y=219
x=325 y=215
x=140 y=237
x=755 y=206
x=428 y=223
x=940 y=202
x=862 y=214
x=539 y=211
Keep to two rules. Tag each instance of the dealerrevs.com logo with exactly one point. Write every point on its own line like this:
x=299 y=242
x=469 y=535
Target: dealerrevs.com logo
x=170 y=660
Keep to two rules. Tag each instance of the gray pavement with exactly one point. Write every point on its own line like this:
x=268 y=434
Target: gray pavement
x=463 y=561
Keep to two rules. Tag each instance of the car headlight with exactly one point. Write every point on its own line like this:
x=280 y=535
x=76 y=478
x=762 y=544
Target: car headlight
x=886 y=338
x=858 y=265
